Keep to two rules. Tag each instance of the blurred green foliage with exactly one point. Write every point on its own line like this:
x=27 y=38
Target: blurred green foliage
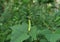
x=44 y=17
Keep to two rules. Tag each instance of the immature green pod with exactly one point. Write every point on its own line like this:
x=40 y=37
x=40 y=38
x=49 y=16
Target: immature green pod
x=29 y=27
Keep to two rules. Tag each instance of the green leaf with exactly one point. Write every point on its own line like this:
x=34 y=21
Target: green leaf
x=53 y=37
x=43 y=40
x=33 y=32
x=26 y=1
x=19 y=33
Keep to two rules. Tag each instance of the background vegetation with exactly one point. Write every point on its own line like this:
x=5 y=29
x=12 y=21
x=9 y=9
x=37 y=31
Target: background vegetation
x=29 y=21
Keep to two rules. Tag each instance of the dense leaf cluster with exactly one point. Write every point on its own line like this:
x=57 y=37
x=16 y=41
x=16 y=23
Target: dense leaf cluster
x=29 y=21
